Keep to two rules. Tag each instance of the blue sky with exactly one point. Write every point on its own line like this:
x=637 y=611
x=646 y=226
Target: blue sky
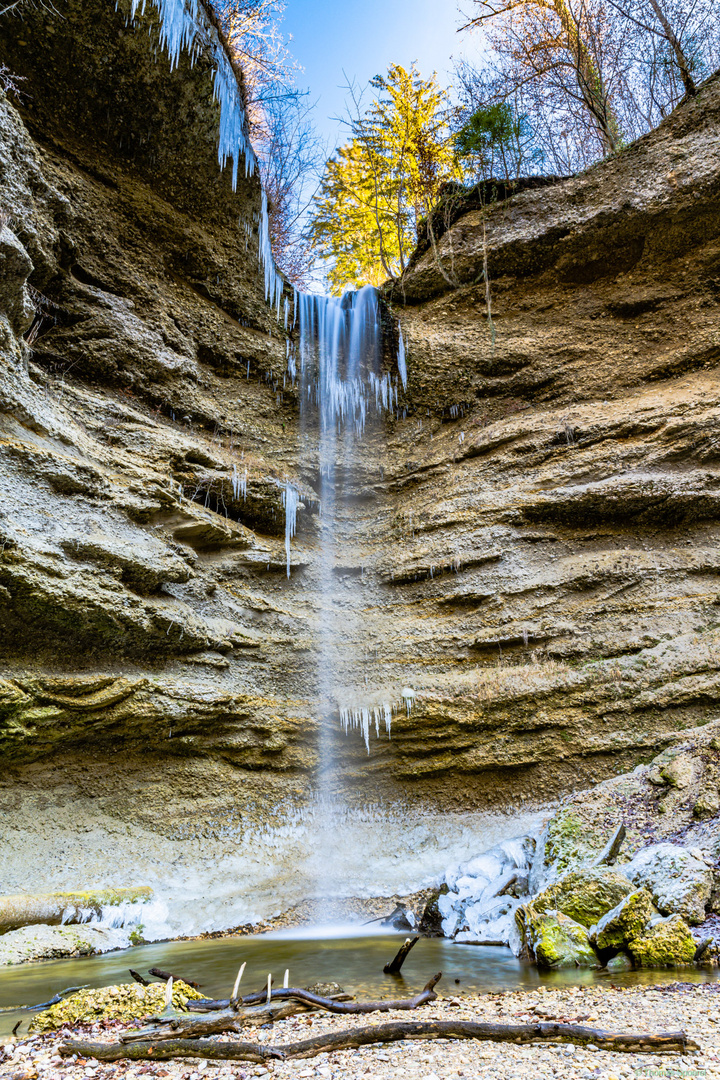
x=361 y=39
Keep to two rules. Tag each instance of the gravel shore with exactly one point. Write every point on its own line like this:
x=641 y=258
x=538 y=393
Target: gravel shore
x=672 y=1007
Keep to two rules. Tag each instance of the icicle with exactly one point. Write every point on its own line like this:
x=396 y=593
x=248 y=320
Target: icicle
x=274 y=284
x=402 y=367
x=239 y=483
x=290 y=501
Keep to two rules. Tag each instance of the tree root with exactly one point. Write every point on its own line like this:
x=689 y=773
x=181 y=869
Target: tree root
x=394 y=1031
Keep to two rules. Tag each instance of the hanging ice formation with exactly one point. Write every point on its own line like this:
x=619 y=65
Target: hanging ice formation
x=239 y=483
x=363 y=716
x=290 y=500
x=402 y=367
x=183 y=27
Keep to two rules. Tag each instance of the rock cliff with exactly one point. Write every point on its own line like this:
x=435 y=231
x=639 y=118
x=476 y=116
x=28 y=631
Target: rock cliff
x=533 y=538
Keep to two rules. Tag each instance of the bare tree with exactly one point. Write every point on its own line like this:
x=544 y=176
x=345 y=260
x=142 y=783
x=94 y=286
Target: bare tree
x=565 y=42
x=685 y=27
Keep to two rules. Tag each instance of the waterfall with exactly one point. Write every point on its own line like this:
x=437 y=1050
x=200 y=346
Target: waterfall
x=340 y=351
x=346 y=387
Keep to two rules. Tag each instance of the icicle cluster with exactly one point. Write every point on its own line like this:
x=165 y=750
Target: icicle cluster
x=273 y=282
x=239 y=483
x=362 y=716
x=181 y=28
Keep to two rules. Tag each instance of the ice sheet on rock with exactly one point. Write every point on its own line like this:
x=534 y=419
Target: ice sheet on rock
x=473 y=905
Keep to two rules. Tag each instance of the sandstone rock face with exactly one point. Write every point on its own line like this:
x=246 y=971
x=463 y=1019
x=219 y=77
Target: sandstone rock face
x=680 y=884
x=533 y=534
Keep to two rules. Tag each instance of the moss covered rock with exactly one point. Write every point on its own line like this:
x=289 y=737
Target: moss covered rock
x=583 y=895
x=558 y=942
x=128 y=1001
x=626 y=921
x=668 y=943
x=619 y=963
x=568 y=841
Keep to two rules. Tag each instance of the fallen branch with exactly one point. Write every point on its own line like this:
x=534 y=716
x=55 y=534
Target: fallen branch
x=393 y=968
x=165 y=975
x=194 y=1027
x=333 y=1004
x=383 y=1033
x=611 y=849
x=44 y=1004
x=138 y=977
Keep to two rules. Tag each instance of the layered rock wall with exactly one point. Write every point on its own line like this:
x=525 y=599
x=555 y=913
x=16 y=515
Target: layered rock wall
x=529 y=545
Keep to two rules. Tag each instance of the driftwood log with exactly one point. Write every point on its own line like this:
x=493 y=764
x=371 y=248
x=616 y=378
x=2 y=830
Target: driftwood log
x=383 y=1033
x=393 y=968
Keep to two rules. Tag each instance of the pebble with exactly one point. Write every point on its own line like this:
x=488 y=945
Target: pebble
x=693 y=1008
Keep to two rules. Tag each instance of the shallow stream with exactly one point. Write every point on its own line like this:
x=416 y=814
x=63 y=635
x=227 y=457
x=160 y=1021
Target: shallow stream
x=355 y=962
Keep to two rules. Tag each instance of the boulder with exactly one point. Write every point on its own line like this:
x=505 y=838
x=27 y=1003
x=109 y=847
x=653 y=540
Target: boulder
x=679 y=882
x=626 y=921
x=559 y=942
x=619 y=963
x=679 y=769
x=583 y=895
x=707 y=803
x=57 y=942
x=668 y=943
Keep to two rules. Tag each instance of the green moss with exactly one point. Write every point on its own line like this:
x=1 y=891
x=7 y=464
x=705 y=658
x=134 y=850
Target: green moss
x=626 y=921
x=558 y=942
x=668 y=943
x=583 y=895
x=128 y=1001
x=570 y=841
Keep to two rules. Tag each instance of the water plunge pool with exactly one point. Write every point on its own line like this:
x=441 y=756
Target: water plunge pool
x=356 y=962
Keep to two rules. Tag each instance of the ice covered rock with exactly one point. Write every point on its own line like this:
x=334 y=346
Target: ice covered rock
x=679 y=882
x=476 y=888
